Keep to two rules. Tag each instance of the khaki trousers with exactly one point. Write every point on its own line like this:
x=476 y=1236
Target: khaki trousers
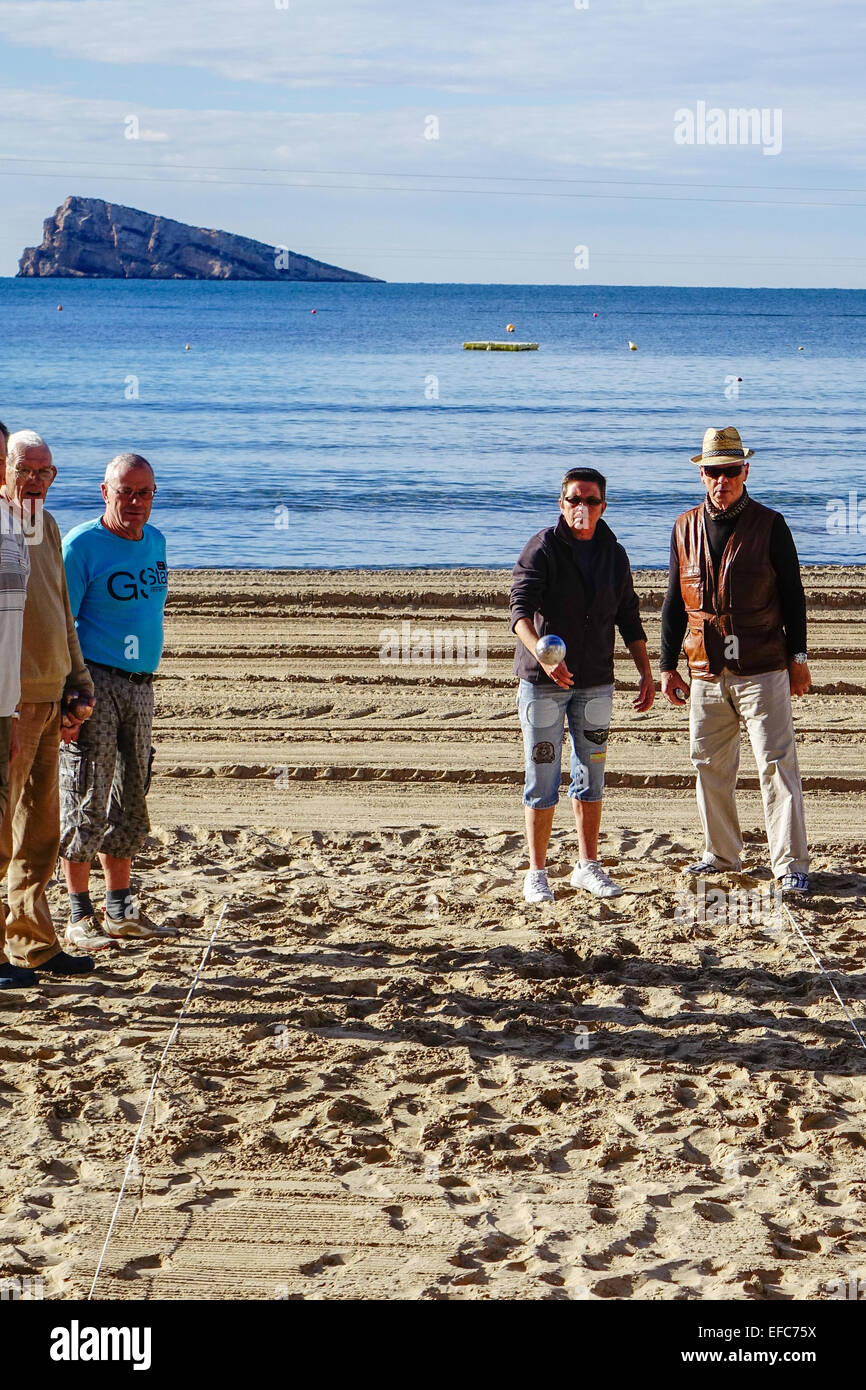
x=763 y=702
x=30 y=838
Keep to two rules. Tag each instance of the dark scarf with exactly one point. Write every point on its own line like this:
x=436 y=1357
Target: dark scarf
x=718 y=514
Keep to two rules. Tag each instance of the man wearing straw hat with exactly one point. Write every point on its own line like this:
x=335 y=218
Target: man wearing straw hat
x=736 y=595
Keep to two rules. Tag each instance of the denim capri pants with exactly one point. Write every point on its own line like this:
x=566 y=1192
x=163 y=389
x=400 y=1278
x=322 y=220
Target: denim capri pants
x=543 y=711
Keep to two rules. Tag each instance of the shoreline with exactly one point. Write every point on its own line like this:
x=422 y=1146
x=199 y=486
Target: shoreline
x=812 y=566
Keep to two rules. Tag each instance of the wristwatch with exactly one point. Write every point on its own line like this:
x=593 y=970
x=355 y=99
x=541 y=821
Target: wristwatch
x=801 y=658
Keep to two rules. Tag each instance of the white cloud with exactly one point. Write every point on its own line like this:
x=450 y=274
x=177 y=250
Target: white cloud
x=614 y=46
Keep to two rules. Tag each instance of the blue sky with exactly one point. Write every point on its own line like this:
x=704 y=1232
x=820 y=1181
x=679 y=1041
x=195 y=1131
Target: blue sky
x=305 y=126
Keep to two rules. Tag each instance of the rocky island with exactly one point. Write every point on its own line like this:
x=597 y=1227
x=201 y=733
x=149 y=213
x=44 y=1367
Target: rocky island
x=87 y=237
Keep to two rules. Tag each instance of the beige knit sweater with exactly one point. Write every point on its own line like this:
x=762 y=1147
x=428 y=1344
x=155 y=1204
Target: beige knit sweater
x=49 y=651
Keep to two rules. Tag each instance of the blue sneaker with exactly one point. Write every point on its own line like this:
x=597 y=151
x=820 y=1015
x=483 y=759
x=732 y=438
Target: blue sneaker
x=795 y=882
x=709 y=866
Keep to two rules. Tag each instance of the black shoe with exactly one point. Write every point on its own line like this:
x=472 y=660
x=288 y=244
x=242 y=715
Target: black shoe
x=64 y=964
x=16 y=975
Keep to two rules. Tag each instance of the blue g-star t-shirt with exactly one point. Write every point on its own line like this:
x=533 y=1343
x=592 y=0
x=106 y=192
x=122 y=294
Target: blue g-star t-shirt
x=117 y=591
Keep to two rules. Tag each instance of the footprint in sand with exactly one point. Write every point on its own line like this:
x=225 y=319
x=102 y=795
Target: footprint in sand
x=143 y=1265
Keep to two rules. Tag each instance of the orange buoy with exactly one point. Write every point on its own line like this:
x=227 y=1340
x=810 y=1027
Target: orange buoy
x=509 y=328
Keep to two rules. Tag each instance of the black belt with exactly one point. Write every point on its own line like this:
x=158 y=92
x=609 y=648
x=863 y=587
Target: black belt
x=137 y=677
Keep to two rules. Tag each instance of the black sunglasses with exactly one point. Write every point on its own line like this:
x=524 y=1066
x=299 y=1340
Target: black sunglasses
x=585 y=501
x=731 y=470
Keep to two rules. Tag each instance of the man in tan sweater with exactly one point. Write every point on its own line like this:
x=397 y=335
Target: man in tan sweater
x=14 y=570
x=55 y=687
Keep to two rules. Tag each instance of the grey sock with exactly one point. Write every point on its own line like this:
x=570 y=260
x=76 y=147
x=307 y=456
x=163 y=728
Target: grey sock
x=116 y=900
x=80 y=906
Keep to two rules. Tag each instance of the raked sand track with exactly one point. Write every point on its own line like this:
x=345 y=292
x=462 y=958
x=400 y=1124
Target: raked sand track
x=396 y=1079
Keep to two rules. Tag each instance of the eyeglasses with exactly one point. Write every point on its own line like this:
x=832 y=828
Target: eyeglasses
x=583 y=501
x=144 y=494
x=44 y=475
x=731 y=470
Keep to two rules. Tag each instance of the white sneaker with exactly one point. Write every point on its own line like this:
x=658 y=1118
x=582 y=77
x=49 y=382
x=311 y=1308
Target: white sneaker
x=88 y=935
x=135 y=924
x=536 y=888
x=592 y=877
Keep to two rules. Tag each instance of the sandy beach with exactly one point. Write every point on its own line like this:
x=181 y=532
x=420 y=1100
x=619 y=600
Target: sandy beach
x=396 y=1079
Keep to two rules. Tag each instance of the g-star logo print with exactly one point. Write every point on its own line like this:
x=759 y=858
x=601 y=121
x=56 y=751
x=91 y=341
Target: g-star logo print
x=125 y=586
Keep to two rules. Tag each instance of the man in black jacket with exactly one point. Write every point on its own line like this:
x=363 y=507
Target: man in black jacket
x=572 y=580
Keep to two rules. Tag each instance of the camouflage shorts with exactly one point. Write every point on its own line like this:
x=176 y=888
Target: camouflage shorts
x=104 y=775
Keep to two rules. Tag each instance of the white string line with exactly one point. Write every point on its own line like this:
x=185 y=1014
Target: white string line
x=171 y=1037
x=817 y=961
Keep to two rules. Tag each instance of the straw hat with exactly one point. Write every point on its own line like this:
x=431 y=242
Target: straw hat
x=722 y=446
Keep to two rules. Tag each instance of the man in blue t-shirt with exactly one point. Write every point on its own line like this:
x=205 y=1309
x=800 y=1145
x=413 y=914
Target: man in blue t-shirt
x=117 y=580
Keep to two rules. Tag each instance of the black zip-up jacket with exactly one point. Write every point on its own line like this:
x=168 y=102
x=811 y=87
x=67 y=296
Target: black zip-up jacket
x=548 y=590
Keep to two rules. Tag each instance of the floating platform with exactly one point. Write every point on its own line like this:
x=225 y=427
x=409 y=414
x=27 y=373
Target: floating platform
x=501 y=347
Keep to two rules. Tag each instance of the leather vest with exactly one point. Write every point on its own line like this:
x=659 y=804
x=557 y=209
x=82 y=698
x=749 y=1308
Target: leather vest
x=741 y=603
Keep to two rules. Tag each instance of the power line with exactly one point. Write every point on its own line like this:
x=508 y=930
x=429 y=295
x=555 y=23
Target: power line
x=479 y=192
x=384 y=174
x=449 y=254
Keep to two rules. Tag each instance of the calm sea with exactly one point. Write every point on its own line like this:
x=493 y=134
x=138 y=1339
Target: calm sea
x=363 y=434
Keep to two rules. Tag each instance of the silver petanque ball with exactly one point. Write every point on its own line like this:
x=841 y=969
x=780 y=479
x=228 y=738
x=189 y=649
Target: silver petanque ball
x=550 y=650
